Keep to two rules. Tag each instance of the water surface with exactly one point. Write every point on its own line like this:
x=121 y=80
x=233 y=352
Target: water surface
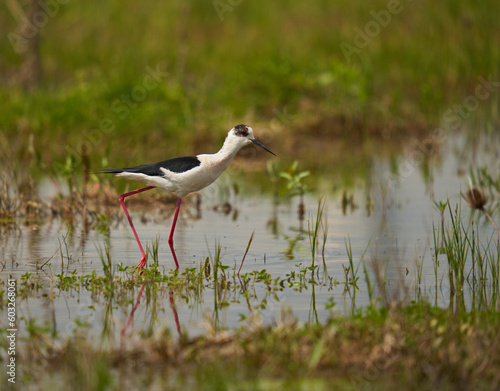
x=389 y=223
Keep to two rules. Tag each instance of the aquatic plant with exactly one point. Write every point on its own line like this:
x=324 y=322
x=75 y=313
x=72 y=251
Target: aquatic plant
x=314 y=226
x=476 y=198
x=296 y=186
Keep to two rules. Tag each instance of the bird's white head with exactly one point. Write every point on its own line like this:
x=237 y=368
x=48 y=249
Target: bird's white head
x=242 y=135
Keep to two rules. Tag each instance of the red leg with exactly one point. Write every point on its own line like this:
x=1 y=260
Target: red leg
x=142 y=262
x=174 y=311
x=171 y=236
x=131 y=315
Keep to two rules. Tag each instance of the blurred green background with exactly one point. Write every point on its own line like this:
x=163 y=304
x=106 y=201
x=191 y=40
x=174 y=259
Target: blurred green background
x=281 y=67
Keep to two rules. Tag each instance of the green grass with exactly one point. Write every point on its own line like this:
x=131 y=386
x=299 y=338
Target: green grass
x=262 y=59
x=473 y=259
x=417 y=346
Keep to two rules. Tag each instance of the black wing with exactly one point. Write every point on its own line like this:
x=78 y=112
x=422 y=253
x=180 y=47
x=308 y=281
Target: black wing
x=177 y=164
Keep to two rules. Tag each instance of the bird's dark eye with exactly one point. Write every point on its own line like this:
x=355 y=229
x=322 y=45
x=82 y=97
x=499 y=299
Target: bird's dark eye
x=241 y=130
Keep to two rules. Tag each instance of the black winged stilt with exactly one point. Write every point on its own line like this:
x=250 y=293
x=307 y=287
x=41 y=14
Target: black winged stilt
x=183 y=175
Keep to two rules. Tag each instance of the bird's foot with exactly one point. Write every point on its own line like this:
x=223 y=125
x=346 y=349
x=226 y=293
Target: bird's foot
x=142 y=263
x=174 y=256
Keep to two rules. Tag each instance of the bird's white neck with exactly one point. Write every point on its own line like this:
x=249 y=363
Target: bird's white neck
x=219 y=161
x=230 y=148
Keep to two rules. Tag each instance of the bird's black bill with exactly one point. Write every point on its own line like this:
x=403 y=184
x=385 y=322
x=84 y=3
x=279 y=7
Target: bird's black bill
x=260 y=145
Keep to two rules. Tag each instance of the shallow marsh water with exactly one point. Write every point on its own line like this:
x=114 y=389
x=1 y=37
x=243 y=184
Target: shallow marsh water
x=390 y=224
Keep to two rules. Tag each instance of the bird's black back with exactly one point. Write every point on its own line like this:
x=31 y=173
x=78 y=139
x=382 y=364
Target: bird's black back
x=177 y=165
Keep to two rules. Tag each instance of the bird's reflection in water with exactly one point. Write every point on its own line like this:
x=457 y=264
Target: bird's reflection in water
x=136 y=305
